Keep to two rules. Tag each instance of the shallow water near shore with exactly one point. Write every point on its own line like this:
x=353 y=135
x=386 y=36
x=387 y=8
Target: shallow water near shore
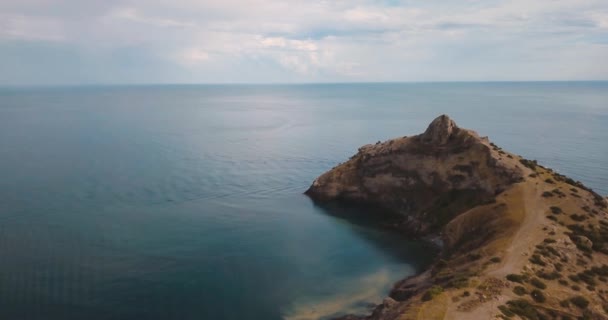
x=185 y=202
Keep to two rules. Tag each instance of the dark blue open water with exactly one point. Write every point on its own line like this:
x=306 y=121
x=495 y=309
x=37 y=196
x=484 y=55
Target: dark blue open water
x=184 y=202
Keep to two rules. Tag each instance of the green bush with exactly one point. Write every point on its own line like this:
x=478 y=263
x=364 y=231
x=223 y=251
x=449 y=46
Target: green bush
x=523 y=309
x=505 y=310
x=519 y=290
x=459 y=282
x=537 y=260
x=495 y=260
x=537 y=283
x=549 y=275
x=432 y=293
x=556 y=210
x=538 y=296
x=516 y=278
x=580 y=302
x=532 y=164
x=577 y=217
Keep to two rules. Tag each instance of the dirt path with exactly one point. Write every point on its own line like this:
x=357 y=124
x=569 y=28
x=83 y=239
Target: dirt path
x=526 y=206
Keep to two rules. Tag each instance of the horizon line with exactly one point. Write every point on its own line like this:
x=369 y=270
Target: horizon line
x=143 y=84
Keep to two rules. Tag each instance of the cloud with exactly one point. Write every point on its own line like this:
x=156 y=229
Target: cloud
x=297 y=40
x=192 y=57
x=22 y=27
x=131 y=14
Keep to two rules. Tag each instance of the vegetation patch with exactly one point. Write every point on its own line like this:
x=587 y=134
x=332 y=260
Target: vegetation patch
x=597 y=236
x=555 y=210
x=516 y=278
x=580 y=302
x=506 y=311
x=549 y=275
x=531 y=164
x=519 y=290
x=537 y=283
x=538 y=296
x=524 y=309
x=432 y=293
x=577 y=217
x=536 y=259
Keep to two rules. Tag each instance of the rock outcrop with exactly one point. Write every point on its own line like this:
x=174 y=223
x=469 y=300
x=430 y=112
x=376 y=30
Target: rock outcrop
x=426 y=179
x=520 y=239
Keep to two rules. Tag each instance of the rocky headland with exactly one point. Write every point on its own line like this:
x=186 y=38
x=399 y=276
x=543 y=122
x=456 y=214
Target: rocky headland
x=519 y=239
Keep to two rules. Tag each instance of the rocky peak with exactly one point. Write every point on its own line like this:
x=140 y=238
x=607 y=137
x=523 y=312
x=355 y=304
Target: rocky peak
x=440 y=130
x=426 y=179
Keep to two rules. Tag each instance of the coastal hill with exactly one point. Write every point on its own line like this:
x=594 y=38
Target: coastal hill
x=518 y=240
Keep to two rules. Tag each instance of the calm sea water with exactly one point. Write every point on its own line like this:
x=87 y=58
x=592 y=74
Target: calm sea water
x=185 y=202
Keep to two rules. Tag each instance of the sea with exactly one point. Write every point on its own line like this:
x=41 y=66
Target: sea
x=186 y=201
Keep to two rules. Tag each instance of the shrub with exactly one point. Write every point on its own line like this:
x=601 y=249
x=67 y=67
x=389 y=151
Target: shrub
x=459 y=282
x=580 y=302
x=519 y=290
x=547 y=194
x=432 y=293
x=538 y=296
x=548 y=180
x=548 y=240
x=562 y=282
x=505 y=310
x=516 y=278
x=495 y=260
x=537 y=260
x=555 y=210
x=549 y=276
x=532 y=164
x=537 y=283
x=600 y=271
x=587 y=277
x=523 y=309
x=577 y=217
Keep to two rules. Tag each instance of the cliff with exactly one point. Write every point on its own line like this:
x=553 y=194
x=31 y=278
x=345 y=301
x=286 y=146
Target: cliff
x=520 y=240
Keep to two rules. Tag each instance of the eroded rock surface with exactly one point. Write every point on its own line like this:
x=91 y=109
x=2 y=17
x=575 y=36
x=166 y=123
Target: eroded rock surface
x=425 y=178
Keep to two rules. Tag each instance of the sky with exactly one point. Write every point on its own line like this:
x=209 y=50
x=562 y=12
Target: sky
x=54 y=42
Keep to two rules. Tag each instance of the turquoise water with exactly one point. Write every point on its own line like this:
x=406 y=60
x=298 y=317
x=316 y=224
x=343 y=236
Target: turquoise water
x=185 y=202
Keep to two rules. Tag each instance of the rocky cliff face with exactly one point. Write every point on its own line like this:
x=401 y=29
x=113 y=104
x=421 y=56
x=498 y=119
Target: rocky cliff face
x=521 y=241
x=426 y=179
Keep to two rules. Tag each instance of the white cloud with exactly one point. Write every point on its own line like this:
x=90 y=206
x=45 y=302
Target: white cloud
x=192 y=57
x=22 y=27
x=131 y=14
x=601 y=19
x=359 y=40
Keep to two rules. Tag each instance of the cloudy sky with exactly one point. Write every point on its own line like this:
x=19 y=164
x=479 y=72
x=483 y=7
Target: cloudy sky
x=225 y=41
